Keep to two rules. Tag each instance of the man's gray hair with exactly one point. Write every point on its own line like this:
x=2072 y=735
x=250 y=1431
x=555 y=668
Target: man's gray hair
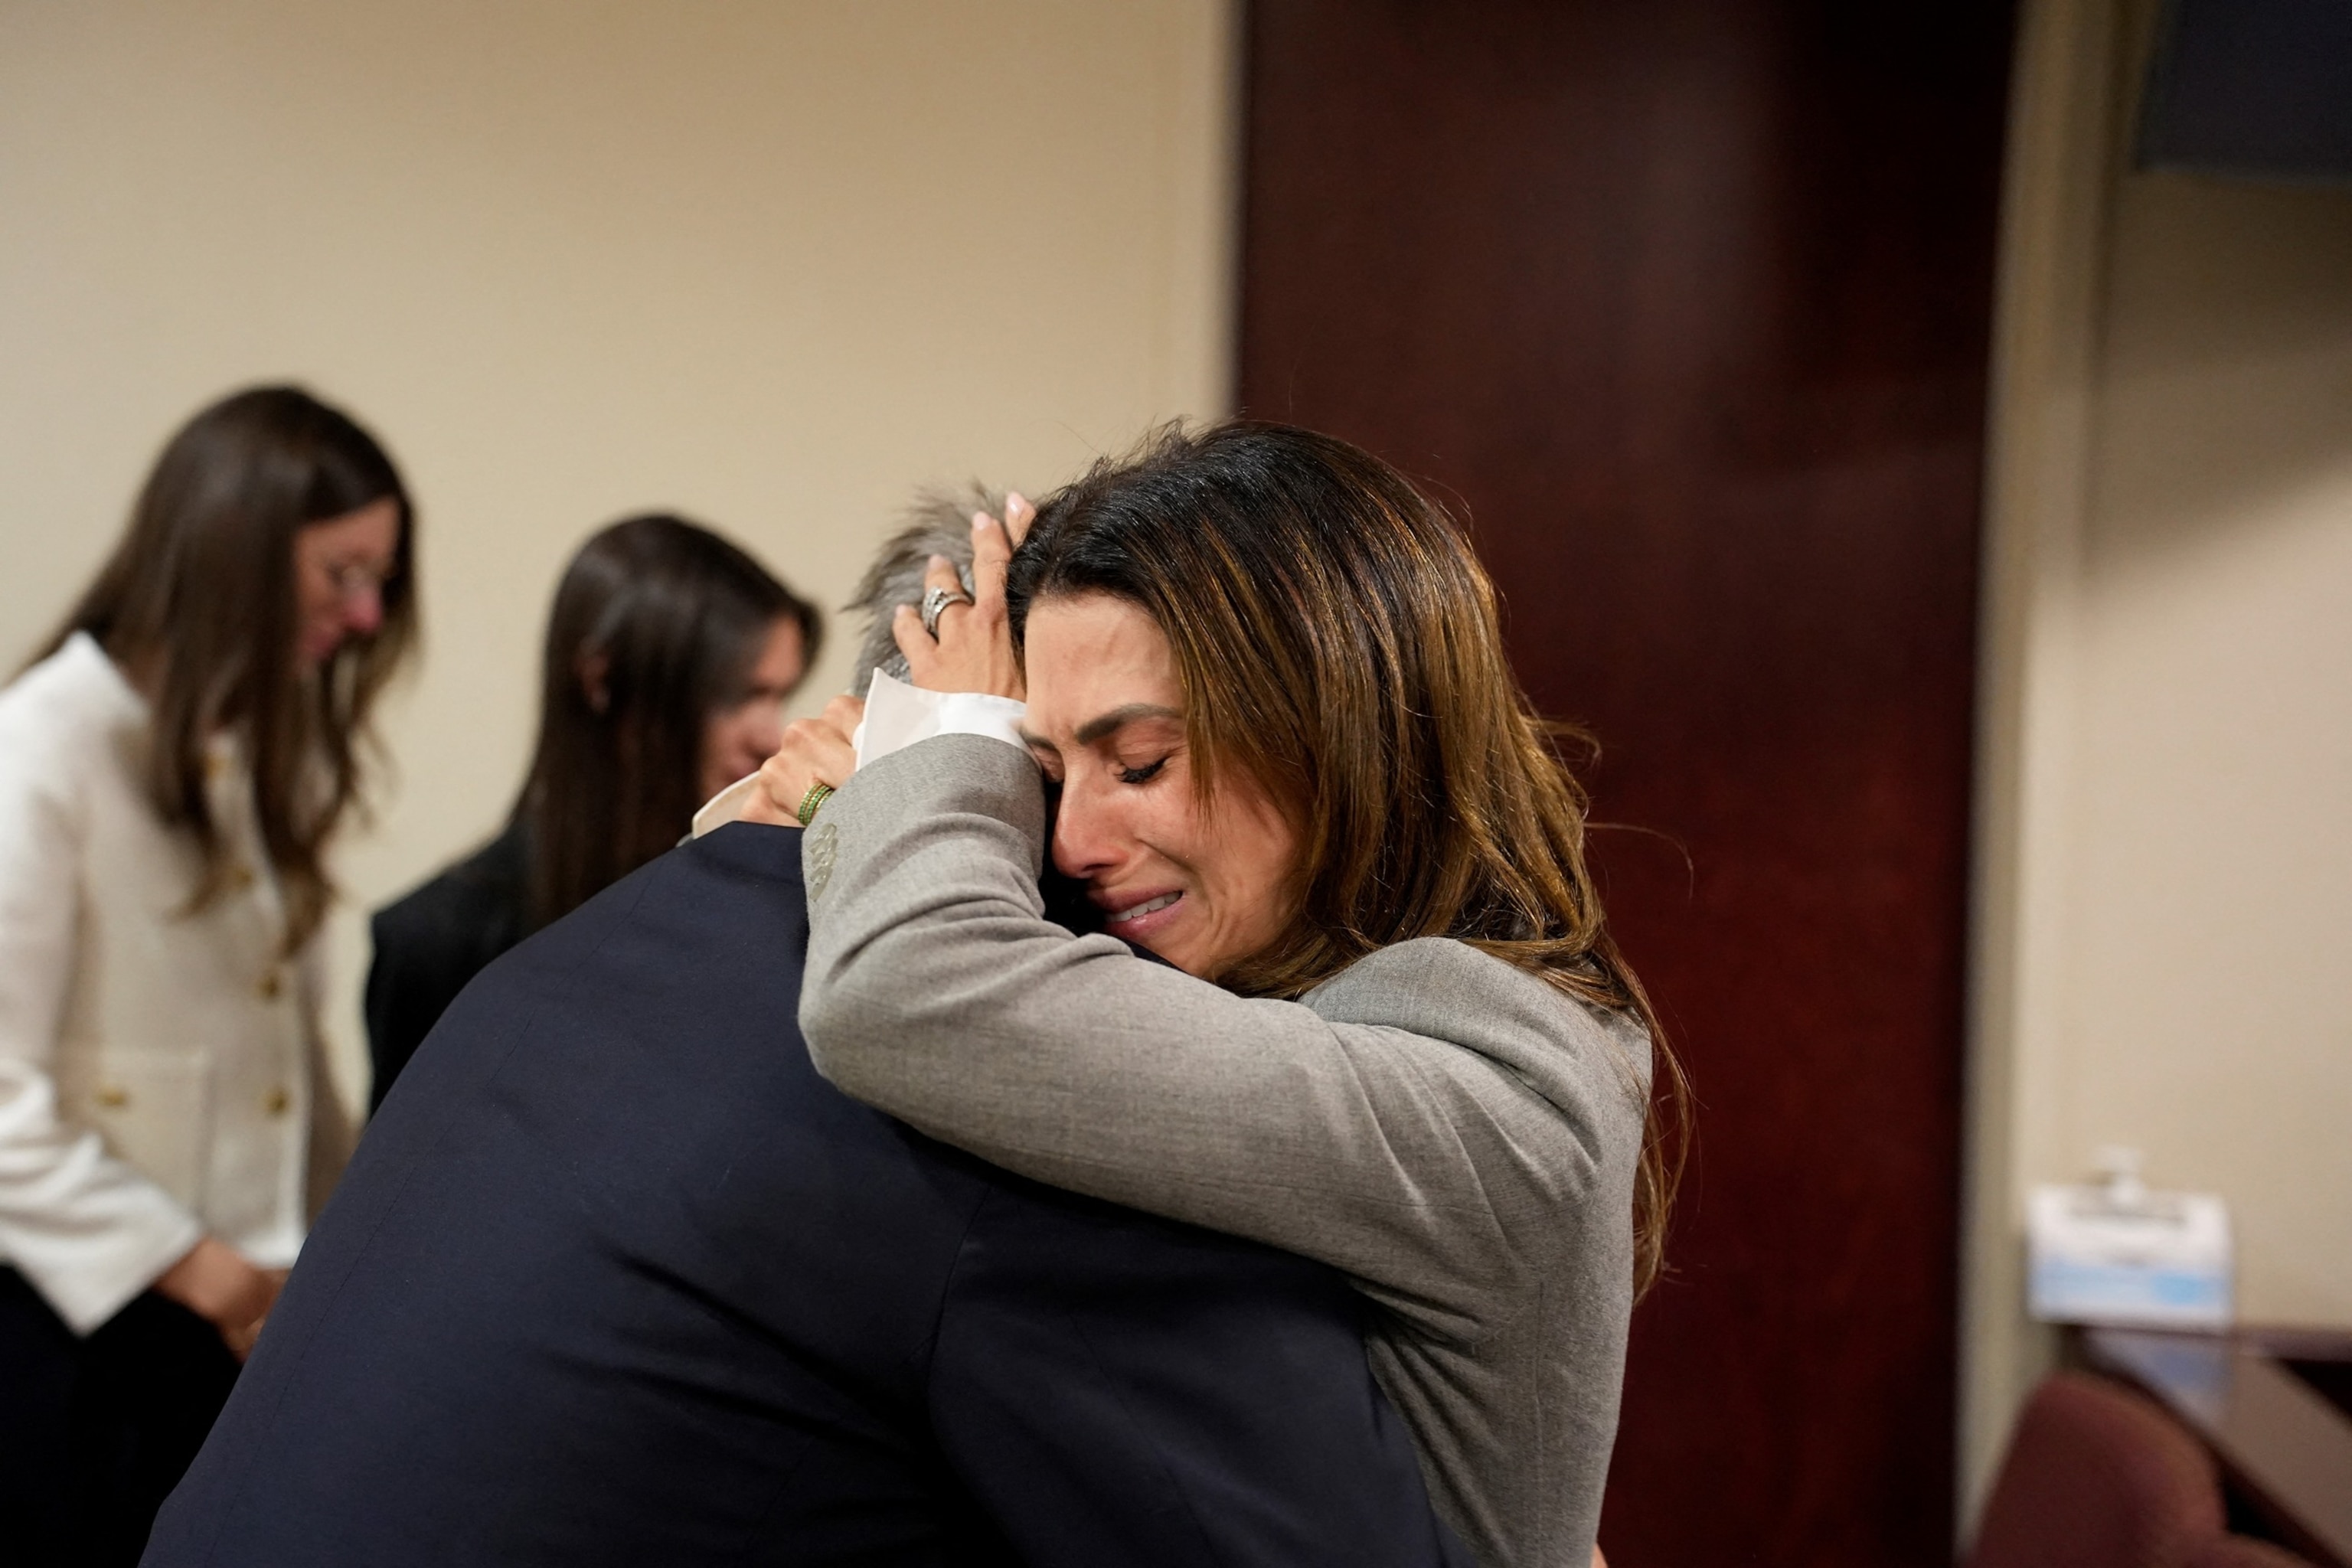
x=939 y=522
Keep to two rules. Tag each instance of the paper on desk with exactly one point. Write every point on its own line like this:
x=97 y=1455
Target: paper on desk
x=2156 y=1259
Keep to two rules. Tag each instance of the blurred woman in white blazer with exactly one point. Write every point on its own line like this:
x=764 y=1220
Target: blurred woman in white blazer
x=172 y=770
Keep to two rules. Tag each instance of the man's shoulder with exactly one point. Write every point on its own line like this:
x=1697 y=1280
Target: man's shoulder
x=757 y=851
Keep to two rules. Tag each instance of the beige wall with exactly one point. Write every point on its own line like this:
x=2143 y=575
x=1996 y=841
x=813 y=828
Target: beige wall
x=2166 y=897
x=773 y=264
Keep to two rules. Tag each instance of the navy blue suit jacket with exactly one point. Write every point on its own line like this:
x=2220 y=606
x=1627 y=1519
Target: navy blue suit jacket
x=616 y=1278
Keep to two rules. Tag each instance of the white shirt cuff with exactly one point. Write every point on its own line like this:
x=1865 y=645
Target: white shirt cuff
x=978 y=713
x=896 y=716
x=727 y=805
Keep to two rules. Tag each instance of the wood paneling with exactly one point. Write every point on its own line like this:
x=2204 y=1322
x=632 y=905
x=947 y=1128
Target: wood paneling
x=1686 y=305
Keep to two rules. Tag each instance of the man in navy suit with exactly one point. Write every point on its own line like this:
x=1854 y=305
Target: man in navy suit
x=616 y=1278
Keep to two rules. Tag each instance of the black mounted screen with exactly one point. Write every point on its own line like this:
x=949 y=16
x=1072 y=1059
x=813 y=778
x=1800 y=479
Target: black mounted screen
x=2255 y=87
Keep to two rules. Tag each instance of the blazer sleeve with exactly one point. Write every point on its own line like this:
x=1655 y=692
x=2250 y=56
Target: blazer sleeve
x=1113 y=1388
x=1398 y=1138
x=87 y=1230
x=429 y=945
x=401 y=1002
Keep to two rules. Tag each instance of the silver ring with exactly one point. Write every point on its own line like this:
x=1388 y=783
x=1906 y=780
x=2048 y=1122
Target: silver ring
x=935 y=604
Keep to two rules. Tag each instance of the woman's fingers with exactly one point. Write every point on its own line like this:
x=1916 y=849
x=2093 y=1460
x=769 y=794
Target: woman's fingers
x=845 y=713
x=815 y=751
x=214 y=1282
x=763 y=805
x=240 y=1339
x=940 y=577
x=971 y=647
x=991 y=547
x=922 y=653
x=993 y=544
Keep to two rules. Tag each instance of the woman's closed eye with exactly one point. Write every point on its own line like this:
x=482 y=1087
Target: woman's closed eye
x=1142 y=774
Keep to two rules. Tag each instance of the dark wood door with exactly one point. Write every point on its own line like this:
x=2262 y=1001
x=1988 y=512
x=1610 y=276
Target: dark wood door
x=1685 y=303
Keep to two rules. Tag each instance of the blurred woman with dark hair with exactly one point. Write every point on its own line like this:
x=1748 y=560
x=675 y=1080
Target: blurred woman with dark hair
x=669 y=654
x=172 y=771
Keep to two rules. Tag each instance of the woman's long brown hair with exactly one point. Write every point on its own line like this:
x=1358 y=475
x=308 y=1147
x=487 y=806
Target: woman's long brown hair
x=197 y=606
x=656 y=623
x=1337 y=642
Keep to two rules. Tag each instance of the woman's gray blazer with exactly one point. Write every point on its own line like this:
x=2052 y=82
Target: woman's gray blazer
x=1456 y=1134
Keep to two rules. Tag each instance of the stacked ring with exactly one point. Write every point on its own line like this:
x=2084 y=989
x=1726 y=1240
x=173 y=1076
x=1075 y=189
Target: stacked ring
x=818 y=793
x=935 y=604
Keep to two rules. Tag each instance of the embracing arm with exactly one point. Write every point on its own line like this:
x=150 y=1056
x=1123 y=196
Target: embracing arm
x=1186 y=1399
x=1390 y=1129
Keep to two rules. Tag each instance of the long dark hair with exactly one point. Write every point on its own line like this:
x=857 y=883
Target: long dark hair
x=657 y=625
x=1338 y=643
x=198 y=605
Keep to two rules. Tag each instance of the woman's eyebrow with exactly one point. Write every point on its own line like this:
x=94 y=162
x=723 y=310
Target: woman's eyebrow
x=1094 y=729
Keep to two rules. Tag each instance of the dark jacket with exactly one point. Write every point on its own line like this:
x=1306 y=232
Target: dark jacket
x=617 y=1278
x=431 y=942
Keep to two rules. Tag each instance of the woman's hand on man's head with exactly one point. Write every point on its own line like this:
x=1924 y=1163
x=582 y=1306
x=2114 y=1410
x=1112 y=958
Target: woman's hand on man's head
x=972 y=650
x=815 y=752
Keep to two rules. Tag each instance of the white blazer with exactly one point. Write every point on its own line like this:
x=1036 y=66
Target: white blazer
x=161 y=1072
